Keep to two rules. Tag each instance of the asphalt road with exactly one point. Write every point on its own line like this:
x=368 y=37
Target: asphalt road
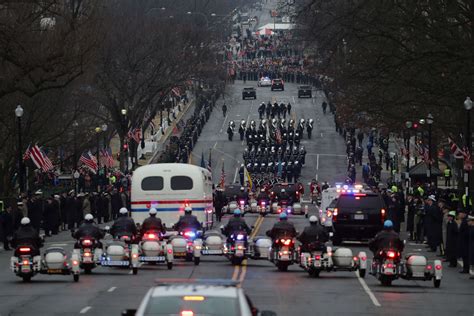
x=109 y=290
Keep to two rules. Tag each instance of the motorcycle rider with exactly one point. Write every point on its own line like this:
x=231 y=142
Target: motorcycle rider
x=313 y=236
x=152 y=223
x=88 y=229
x=236 y=224
x=123 y=225
x=187 y=221
x=27 y=235
x=284 y=196
x=387 y=238
x=282 y=228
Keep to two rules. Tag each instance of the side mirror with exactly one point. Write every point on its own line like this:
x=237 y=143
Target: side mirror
x=267 y=313
x=129 y=312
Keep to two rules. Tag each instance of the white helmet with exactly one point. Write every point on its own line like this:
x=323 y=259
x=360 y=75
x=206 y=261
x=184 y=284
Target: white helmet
x=152 y=211
x=313 y=219
x=25 y=221
x=283 y=190
x=123 y=211
x=188 y=209
x=88 y=217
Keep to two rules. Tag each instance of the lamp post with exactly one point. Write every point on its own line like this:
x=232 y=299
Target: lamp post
x=408 y=125
x=430 y=121
x=75 y=125
x=125 y=145
x=104 y=128
x=468 y=107
x=97 y=133
x=19 y=114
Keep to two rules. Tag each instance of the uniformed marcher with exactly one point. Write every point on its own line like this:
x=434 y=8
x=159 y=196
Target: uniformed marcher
x=452 y=233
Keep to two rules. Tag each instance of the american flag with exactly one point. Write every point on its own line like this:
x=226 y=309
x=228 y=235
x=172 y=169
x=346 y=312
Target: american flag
x=467 y=159
x=39 y=158
x=176 y=91
x=106 y=158
x=135 y=134
x=222 y=182
x=89 y=161
x=278 y=136
x=455 y=149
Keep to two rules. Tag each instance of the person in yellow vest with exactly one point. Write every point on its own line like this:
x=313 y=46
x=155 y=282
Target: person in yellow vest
x=464 y=200
x=420 y=191
x=447 y=176
x=112 y=179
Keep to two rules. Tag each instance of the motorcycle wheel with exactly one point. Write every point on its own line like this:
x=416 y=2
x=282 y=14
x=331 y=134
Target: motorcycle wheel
x=76 y=277
x=362 y=273
x=386 y=282
x=314 y=273
x=282 y=267
x=236 y=261
x=189 y=257
x=436 y=283
x=169 y=265
x=26 y=278
x=197 y=260
x=135 y=271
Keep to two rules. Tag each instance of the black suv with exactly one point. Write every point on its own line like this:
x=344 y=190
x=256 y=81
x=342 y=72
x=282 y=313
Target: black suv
x=277 y=84
x=358 y=216
x=249 y=93
x=304 y=91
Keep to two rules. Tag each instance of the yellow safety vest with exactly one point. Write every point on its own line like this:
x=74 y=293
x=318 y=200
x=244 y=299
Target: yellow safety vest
x=447 y=172
x=464 y=199
x=421 y=191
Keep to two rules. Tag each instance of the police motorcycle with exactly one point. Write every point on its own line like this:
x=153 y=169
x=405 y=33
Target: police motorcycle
x=236 y=248
x=26 y=261
x=121 y=252
x=154 y=246
x=88 y=247
x=242 y=129
x=283 y=253
x=187 y=244
x=318 y=256
x=390 y=266
x=230 y=130
x=213 y=243
x=309 y=127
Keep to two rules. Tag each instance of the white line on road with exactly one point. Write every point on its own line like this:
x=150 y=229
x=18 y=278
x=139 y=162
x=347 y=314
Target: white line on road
x=223 y=123
x=367 y=290
x=85 y=309
x=215 y=145
x=317 y=161
x=235 y=175
x=111 y=289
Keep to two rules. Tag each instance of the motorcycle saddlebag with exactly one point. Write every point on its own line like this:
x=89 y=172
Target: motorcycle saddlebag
x=416 y=265
x=342 y=257
x=54 y=258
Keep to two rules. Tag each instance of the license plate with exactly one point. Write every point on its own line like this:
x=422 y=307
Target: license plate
x=25 y=269
x=87 y=260
x=359 y=216
x=114 y=263
x=211 y=252
x=158 y=258
x=55 y=271
x=285 y=257
x=239 y=253
x=317 y=263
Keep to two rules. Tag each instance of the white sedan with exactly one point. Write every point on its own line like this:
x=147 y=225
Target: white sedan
x=264 y=82
x=201 y=297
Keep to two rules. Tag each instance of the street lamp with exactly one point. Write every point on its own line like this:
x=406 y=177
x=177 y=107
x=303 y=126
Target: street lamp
x=429 y=121
x=75 y=125
x=125 y=145
x=19 y=114
x=468 y=107
x=408 y=125
x=104 y=128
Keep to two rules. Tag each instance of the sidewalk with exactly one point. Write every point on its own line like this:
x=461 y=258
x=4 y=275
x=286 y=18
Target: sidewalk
x=155 y=143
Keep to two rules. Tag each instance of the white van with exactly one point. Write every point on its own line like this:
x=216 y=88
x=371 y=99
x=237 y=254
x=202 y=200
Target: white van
x=170 y=187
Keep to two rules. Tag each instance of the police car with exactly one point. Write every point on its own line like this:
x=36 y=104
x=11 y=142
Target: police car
x=196 y=297
x=264 y=82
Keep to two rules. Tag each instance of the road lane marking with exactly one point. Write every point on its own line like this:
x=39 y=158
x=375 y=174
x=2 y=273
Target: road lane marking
x=85 y=309
x=215 y=145
x=111 y=289
x=223 y=123
x=367 y=290
x=235 y=174
x=317 y=161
